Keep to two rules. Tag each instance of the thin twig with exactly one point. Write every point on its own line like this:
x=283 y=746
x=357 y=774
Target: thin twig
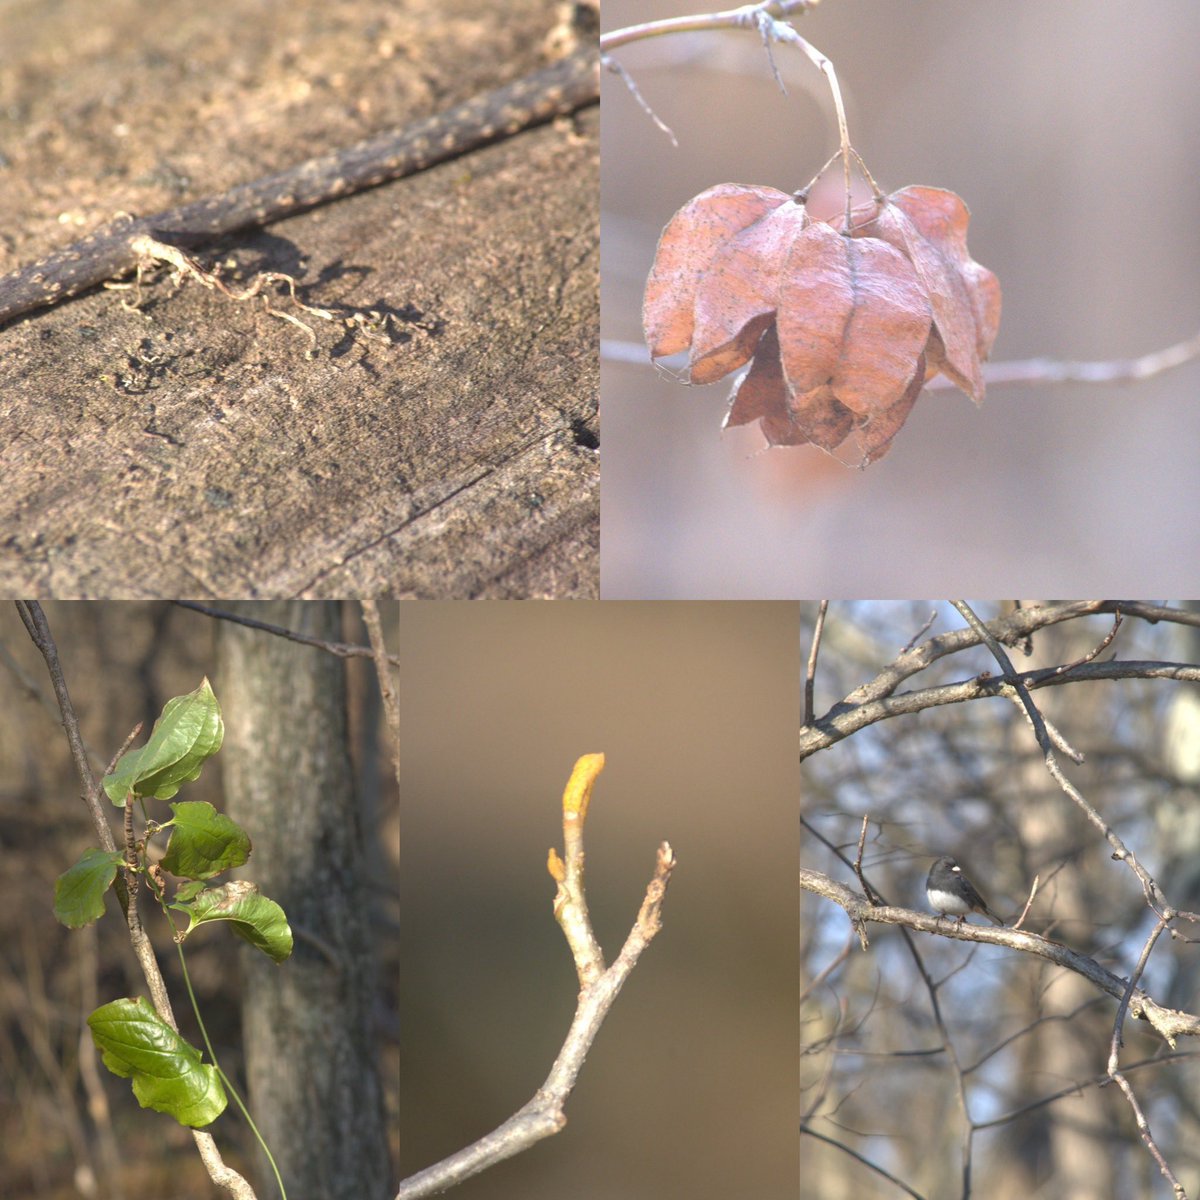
x=868 y=890
x=383 y=663
x=810 y=672
x=1118 y=370
x=1120 y=851
x=866 y=1162
x=1033 y=891
x=554 y=90
x=1016 y=371
x=341 y=649
x=1076 y=1089
x=1114 y=1052
x=1096 y=650
x=745 y=17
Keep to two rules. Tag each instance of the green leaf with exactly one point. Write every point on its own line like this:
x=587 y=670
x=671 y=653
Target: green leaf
x=79 y=892
x=188 y=731
x=203 y=842
x=189 y=891
x=168 y=1074
x=258 y=920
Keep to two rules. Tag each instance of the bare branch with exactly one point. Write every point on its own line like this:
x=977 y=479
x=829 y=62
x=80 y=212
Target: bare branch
x=1033 y=891
x=340 y=649
x=1120 y=852
x=543 y=1115
x=866 y=1162
x=1120 y=370
x=383 y=663
x=847 y=717
x=1168 y=1022
x=810 y=671
x=1114 y=1072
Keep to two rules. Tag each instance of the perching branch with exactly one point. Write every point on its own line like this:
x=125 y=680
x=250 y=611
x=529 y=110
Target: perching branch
x=543 y=1115
x=39 y=631
x=1168 y=1022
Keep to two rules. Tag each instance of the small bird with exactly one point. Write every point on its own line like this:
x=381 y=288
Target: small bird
x=951 y=893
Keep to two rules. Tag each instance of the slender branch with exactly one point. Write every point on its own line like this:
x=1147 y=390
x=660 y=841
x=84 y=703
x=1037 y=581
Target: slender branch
x=810 y=671
x=1168 y=1022
x=1117 y=370
x=846 y=717
x=1076 y=1089
x=1120 y=851
x=555 y=90
x=747 y=16
x=1033 y=891
x=1114 y=1071
x=543 y=1115
x=383 y=663
x=340 y=649
x=1016 y=371
x=39 y=631
x=866 y=1162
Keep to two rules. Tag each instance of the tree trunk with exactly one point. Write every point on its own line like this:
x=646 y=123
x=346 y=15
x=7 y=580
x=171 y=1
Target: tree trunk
x=314 y=1090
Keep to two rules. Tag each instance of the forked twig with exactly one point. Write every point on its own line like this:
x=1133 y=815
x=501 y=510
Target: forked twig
x=543 y=1115
x=1033 y=891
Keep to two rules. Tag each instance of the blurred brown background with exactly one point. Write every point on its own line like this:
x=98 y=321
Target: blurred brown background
x=1072 y=131
x=121 y=663
x=690 y=1087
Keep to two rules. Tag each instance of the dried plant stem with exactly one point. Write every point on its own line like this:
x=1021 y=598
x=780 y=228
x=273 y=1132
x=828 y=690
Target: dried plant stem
x=763 y=19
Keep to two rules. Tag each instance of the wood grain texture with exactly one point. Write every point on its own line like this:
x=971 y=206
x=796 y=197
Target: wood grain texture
x=192 y=449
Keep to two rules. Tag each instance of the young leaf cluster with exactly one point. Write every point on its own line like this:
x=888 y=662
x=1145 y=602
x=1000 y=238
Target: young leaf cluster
x=168 y=1073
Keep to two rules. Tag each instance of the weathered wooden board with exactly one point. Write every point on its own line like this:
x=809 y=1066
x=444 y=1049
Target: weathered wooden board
x=193 y=448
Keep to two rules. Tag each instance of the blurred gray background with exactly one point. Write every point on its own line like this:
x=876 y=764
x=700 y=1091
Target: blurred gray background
x=1072 y=131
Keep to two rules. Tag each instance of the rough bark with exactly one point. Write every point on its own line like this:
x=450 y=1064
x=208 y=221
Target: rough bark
x=314 y=1089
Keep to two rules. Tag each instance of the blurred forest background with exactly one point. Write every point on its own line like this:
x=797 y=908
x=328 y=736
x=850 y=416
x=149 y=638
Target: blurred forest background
x=968 y=780
x=690 y=1088
x=122 y=661
x=1072 y=131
